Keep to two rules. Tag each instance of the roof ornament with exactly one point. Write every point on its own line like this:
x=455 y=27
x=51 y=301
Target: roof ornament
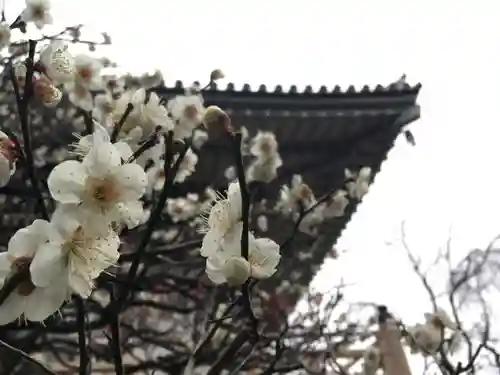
x=401 y=83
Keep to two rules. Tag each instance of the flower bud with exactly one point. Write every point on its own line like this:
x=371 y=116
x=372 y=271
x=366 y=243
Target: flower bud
x=216 y=75
x=46 y=92
x=215 y=116
x=236 y=270
x=20 y=74
x=8 y=157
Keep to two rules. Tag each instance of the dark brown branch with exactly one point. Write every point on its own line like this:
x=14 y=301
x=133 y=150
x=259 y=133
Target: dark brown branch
x=85 y=364
x=27 y=357
x=23 y=109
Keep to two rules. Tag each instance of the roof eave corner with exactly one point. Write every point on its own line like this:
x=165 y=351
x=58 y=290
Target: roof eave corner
x=408 y=116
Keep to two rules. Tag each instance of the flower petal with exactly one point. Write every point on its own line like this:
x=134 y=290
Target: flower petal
x=81 y=285
x=130 y=213
x=124 y=149
x=66 y=182
x=46 y=265
x=132 y=180
x=214 y=270
x=25 y=241
x=265 y=257
x=44 y=302
x=211 y=243
x=12 y=308
x=236 y=270
x=100 y=135
x=4 y=171
x=102 y=160
x=107 y=253
x=231 y=244
x=65 y=220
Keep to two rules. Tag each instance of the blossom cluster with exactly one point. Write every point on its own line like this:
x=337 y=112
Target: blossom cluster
x=299 y=202
x=222 y=244
x=428 y=338
x=102 y=189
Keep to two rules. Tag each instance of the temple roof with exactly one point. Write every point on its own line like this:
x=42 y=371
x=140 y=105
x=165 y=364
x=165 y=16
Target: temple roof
x=319 y=133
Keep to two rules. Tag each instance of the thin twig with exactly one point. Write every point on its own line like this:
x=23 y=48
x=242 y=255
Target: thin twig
x=115 y=338
x=245 y=217
x=230 y=352
x=23 y=109
x=118 y=127
x=26 y=356
x=170 y=173
x=82 y=344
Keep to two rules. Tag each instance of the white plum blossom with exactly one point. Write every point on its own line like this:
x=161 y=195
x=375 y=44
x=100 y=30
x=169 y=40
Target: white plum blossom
x=295 y=196
x=104 y=105
x=181 y=208
x=79 y=95
x=225 y=263
x=100 y=186
x=20 y=71
x=45 y=91
x=440 y=319
x=424 y=338
x=88 y=72
x=222 y=244
x=230 y=173
x=335 y=206
x=309 y=223
x=152 y=155
x=188 y=111
x=262 y=223
x=4 y=35
x=38 y=12
x=358 y=188
x=186 y=166
x=151 y=112
x=73 y=253
x=267 y=160
x=84 y=144
x=86 y=77
x=147 y=112
x=223 y=216
x=8 y=156
x=156 y=174
x=264 y=145
x=264 y=170
x=58 y=63
x=35 y=303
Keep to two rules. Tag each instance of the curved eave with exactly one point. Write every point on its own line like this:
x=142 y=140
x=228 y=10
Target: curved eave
x=400 y=95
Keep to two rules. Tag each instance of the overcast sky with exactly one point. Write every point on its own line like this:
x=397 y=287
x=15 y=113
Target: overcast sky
x=451 y=47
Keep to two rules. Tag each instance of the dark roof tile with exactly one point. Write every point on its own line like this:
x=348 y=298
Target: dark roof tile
x=395 y=87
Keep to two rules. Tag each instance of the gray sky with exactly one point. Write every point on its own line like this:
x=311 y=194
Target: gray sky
x=451 y=47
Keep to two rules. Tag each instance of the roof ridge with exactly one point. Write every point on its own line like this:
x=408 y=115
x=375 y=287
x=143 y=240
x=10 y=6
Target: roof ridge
x=397 y=87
